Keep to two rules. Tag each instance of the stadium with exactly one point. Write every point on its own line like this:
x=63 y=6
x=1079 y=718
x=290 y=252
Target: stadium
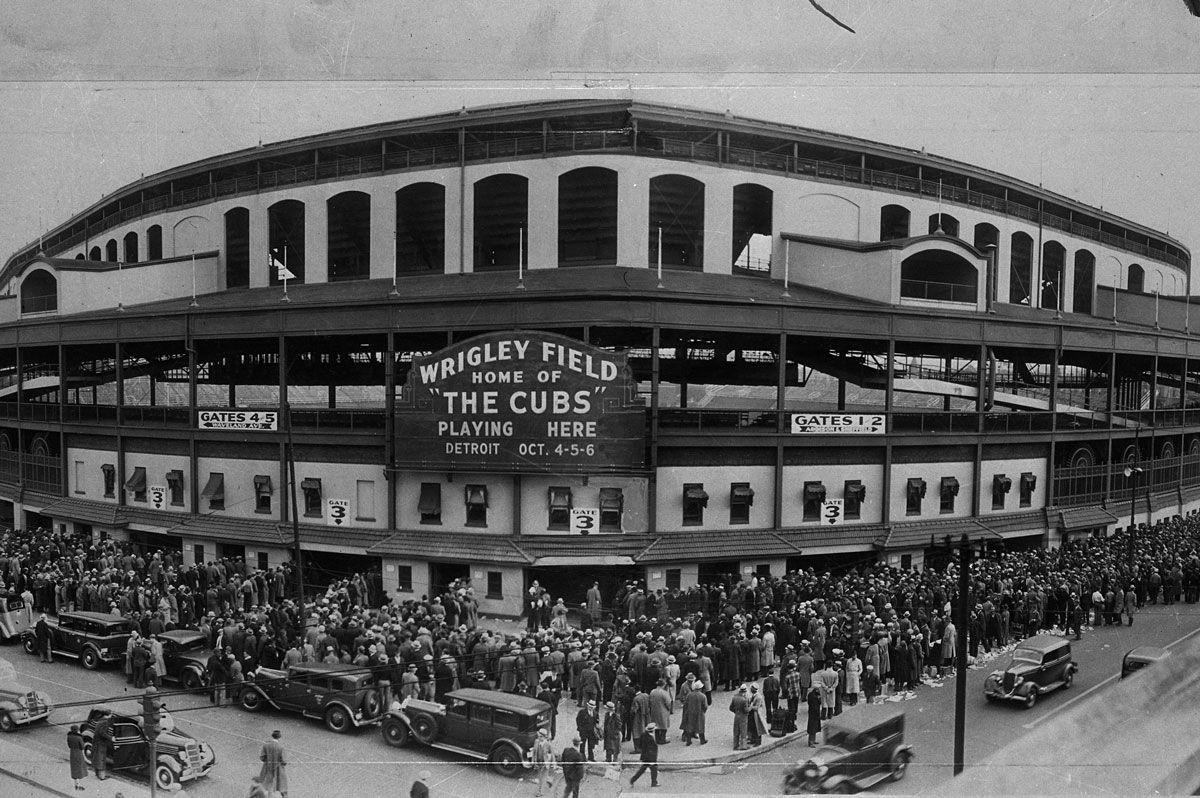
x=509 y=343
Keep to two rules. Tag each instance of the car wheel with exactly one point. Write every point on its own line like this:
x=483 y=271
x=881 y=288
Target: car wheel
x=424 y=728
x=7 y=724
x=372 y=704
x=88 y=750
x=1070 y=678
x=29 y=644
x=165 y=777
x=337 y=719
x=251 y=700
x=90 y=659
x=191 y=680
x=899 y=765
x=505 y=760
x=1031 y=698
x=395 y=733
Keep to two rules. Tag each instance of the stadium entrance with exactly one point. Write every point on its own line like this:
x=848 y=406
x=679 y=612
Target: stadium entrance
x=443 y=574
x=150 y=542
x=324 y=567
x=571 y=584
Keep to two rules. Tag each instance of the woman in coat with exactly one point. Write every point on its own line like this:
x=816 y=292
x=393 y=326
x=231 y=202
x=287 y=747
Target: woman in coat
x=854 y=668
x=755 y=727
x=79 y=765
x=814 y=715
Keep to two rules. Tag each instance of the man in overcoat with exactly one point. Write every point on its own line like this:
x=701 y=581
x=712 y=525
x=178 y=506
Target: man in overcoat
x=274 y=769
x=695 y=706
x=661 y=708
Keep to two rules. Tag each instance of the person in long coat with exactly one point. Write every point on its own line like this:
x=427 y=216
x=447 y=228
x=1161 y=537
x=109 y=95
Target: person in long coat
x=755 y=727
x=79 y=766
x=101 y=744
x=612 y=732
x=854 y=668
x=695 y=706
x=661 y=708
x=814 y=716
x=641 y=716
x=949 y=646
x=739 y=705
x=274 y=770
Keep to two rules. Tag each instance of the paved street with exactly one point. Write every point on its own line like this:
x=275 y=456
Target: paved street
x=359 y=764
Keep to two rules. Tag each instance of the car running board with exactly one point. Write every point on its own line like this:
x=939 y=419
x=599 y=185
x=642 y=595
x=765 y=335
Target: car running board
x=456 y=750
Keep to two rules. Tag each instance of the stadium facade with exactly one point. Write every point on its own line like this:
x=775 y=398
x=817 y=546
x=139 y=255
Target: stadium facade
x=593 y=339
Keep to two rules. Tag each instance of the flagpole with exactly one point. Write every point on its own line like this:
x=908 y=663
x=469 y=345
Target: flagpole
x=660 y=283
x=520 y=257
x=787 y=265
x=193 y=303
x=285 y=275
x=395 y=265
x=120 y=289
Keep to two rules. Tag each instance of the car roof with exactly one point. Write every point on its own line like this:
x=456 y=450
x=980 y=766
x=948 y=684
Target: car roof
x=182 y=635
x=1043 y=642
x=330 y=668
x=514 y=703
x=99 y=617
x=858 y=722
x=1148 y=653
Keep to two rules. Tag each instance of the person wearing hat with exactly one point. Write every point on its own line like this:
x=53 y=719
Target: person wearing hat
x=612 y=732
x=542 y=756
x=274 y=769
x=662 y=706
x=640 y=709
x=695 y=707
x=739 y=705
x=420 y=787
x=573 y=768
x=587 y=723
x=648 y=751
x=550 y=693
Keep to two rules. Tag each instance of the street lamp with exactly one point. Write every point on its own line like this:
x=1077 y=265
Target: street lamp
x=1131 y=472
x=1053 y=286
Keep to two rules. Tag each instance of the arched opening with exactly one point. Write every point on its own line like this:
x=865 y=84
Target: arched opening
x=587 y=217
x=501 y=211
x=753 y=212
x=1084 y=284
x=986 y=235
x=95 y=254
x=939 y=275
x=39 y=447
x=943 y=223
x=154 y=242
x=79 y=256
x=1136 y=280
x=349 y=236
x=39 y=292
x=1054 y=261
x=677 y=222
x=237 y=248
x=131 y=247
x=110 y=251
x=1020 y=269
x=285 y=239
x=893 y=222
x=421 y=229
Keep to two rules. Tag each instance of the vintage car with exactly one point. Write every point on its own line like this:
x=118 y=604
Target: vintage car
x=860 y=750
x=185 y=653
x=482 y=724
x=342 y=696
x=94 y=638
x=180 y=757
x=1138 y=658
x=15 y=618
x=19 y=705
x=1040 y=664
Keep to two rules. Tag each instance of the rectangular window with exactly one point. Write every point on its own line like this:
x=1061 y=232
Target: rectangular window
x=175 y=487
x=612 y=504
x=495 y=584
x=905 y=561
x=947 y=492
x=741 y=497
x=79 y=477
x=262 y=493
x=1001 y=485
x=1028 y=484
x=813 y=497
x=312 y=497
x=214 y=491
x=365 y=506
x=762 y=570
x=560 y=503
x=914 y=493
x=136 y=484
x=674 y=578
x=853 y=495
x=404 y=578
x=476 y=498
x=264 y=562
x=694 y=502
x=110 y=480
x=430 y=503
x=198 y=553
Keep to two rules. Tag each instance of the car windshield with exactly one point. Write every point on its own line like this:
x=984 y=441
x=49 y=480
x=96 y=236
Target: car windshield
x=838 y=737
x=1027 y=655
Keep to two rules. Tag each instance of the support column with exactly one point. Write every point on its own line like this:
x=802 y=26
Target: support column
x=633 y=221
x=316 y=240
x=383 y=234
x=389 y=428
x=285 y=487
x=652 y=487
x=541 y=234
x=886 y=489
x=1054 y=357
x=260 y=242
x=718 y=229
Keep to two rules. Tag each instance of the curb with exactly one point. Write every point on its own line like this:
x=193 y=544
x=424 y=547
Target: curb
x=697 y=764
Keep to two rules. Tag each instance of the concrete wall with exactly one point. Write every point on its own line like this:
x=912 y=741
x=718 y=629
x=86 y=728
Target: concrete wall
x=454 y=508
x=834 y=476
x=716 y=481
x=1013 y=470
x=535 y=508
x=932 y=473
x=239 y=485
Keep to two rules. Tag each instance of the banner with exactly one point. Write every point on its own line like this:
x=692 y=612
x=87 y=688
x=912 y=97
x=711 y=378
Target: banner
x=337 y=512
x=838 y=424
x=254 y=420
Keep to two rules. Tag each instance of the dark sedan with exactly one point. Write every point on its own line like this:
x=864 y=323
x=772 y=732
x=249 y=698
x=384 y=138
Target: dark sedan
x=185 y=653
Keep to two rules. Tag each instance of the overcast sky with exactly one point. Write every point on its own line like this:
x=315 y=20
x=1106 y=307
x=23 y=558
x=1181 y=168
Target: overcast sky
x=1098 y=100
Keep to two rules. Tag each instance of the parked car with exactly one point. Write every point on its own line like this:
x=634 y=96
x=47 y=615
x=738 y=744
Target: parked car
x=1040 y=664
x=180 y=757
x=15 y=620
x=93 y=638
x=482 y=724
x=341 y=696
x=1138 y=658
x=861 y=749
x=185 y=653
x=19 y=705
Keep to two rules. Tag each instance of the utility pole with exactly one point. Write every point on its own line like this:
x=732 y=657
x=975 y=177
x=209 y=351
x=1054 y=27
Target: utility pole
x=961 y=621
x=297 y=554
x=150 y=709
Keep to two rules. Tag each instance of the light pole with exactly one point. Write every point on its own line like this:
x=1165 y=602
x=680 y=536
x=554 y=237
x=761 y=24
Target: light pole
x=1131 y=472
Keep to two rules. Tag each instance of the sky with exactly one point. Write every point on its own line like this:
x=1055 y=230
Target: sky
x=1098 y=99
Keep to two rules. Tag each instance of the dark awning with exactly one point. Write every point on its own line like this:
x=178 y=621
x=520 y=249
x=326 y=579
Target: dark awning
x=310 y=484
x=695 y=493
x=174 y=476
x=262 y=484
x=1001 y=484
x=814 y=491
x=560 y=498
x=214 y=489
x=949 y=486
x=136 y=482
x=1029 y=480
x=741 y=494
x=476 y=495
x=611 y=499
x=430 y=502
x=855 y=490
x=916 y=486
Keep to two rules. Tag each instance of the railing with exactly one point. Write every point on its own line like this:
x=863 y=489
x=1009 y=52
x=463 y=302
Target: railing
x=339 y=419
x=1085 y=485
x=941 y=292
x=39 y=304
x=156 y=416
x=700 y=419
x=36 y=472
x=89 y=414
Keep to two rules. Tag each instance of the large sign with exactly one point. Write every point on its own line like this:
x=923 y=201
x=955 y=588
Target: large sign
x=585 y=520
x=158 y=496
x=337 y=511
x=256 y=420
x=833 y=512
x=838 y=424
x=521 y=401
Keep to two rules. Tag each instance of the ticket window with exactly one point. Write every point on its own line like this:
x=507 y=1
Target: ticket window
x=476 y=497
x=695 y=499
x=814 y=497
x=612 y=505
x=560 y=502
x=741 y=498
x=853 y=495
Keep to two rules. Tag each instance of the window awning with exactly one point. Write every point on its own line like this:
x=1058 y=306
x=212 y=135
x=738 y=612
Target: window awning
x=611 y=499
x=1001 y=484
x=814 y=491
x=741 y=494
x=696 y=494
x=916 y=486
x=476 y=495
x=560 y=498
x=949 y=486
x=310 y=484
x=262 y=484
x=215 y=487
x=1028 y=480
x=136 y=482
x=174 y=476
x=430 y=502
x=856 y=491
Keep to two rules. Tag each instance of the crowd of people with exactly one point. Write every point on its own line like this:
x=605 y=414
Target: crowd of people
x=632 y=661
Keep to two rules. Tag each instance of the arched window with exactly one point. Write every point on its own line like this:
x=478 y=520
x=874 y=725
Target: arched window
x=131 y=247
x=1054 y=261
x=110 y=251
x=893 y=222
x=285 y=239
x=1020 y=269
x=947 y=224
x=501 y=223
x=939 y=275
x=237 y=248
x=421 y=229
x=79 y=256
x=154 y=242
x=349 y=236
x=1137 y=278
x=986 y=235
x=39 y=447
x=587 y=217
x=39 y=292
x=677 y=222
x=753 y=209
x=1084 y=284
x=95 y=254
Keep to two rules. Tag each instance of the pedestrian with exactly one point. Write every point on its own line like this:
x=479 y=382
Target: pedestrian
x=649 y=757
x=543 y=761
x=1129 y=605
x=274 y=768
x=587 y=724
x=42 y=632
x=755 y=727
x=739 y=705
x=573 y=769
x=814 y=715
x=854 y=668
x=641 y=718
x=770 y=692
x=101 y=744
x=79 y=766
x=662 y=706
x=612 y=733
x=420 y=787
x=695 y=707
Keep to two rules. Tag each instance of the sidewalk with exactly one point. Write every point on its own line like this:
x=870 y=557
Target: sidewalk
x=41 y=774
